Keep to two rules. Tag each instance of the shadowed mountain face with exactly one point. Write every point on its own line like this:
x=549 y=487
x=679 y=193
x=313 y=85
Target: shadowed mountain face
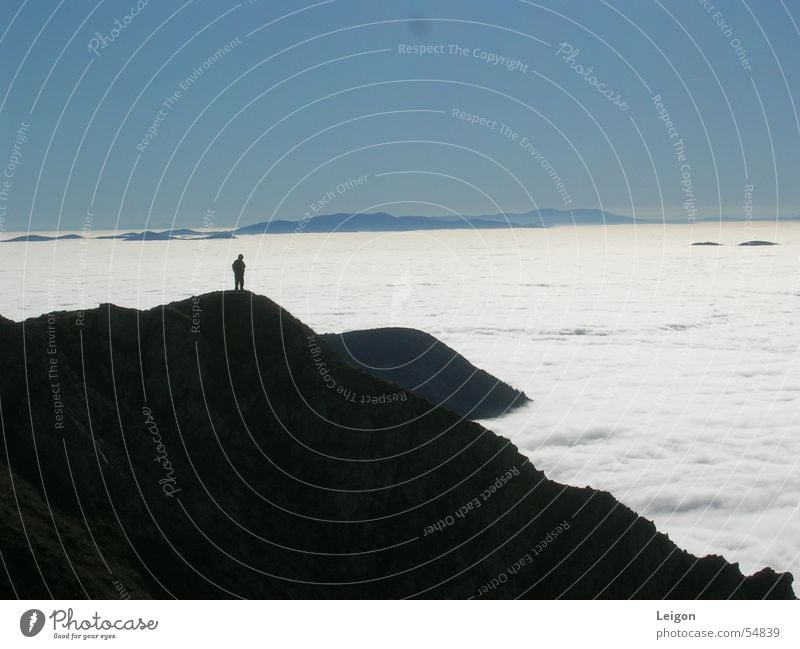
x=419 y=363
x=210 y=448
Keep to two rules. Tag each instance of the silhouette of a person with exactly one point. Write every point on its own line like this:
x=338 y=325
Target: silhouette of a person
x=238 y=273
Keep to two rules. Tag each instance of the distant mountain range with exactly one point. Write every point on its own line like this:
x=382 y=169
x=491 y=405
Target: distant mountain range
x=383 y=222
x=41 y=237
x=146 y=235
x=169 y=235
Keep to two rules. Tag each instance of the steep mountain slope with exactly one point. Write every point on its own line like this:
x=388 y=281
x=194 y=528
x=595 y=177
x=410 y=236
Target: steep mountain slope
x=204 y=449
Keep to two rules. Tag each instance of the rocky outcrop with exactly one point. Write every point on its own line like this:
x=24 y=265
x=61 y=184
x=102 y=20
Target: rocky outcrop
x=215 y=448
x=424 y=365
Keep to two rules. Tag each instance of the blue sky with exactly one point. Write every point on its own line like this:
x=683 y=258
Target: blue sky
x=310 y=95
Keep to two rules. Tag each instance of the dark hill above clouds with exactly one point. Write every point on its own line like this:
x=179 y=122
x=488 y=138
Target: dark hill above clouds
x=419 y=363
x=209 y=448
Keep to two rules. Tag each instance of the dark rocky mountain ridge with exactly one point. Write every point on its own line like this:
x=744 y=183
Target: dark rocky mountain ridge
x=424 y=365
x=197 y=450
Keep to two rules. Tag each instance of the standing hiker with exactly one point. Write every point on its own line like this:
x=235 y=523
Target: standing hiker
x=238 y=273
